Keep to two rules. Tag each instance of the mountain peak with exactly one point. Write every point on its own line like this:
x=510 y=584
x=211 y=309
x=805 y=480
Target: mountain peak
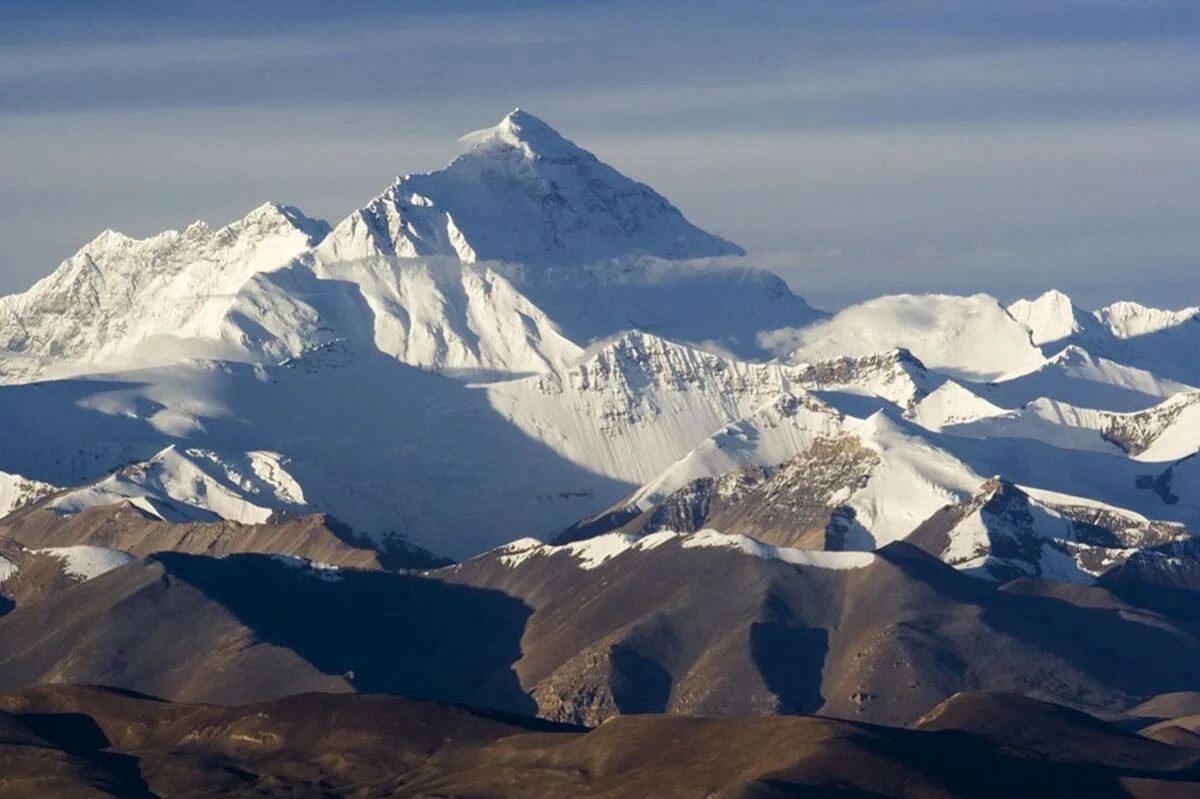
x=276 y=217
x=524 y=132
x=1052 y=317
x=521 y=193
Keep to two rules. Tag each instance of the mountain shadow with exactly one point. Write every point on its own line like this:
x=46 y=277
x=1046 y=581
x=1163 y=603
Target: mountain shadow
x=384 y=632
x=790 y=657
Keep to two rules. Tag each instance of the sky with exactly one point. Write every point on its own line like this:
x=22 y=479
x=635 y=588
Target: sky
x=856 y=147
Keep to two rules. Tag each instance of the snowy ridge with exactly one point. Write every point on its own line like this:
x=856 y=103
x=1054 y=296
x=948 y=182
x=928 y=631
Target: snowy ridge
x=895 y=375
x=595 y=552
x=912 y=479
x=951 y=404
x=1130 y=319
x=195 y=485
x=882 y=479
x=449 y=316
x=1076 y=376
x=161 y=296
x=1165 y=432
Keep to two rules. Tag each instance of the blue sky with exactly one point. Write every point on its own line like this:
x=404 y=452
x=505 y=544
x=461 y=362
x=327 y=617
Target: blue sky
x=857 y=147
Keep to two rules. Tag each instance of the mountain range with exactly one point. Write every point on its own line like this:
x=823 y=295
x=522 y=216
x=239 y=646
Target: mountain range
x=517 y=435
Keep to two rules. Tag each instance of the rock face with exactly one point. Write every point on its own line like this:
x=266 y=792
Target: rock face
x=1004 y=533
x=796 y=504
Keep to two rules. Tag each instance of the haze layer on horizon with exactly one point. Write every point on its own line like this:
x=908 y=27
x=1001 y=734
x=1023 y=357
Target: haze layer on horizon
x=855 y=148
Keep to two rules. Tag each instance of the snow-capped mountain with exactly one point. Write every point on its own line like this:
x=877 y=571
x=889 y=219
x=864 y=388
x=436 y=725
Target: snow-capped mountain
x=521 y=193
x=526 y=338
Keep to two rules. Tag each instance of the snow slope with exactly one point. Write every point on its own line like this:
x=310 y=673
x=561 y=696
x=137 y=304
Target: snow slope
x=637 y=404
x=86 y=562
x=1076 y=376
x=951 y=405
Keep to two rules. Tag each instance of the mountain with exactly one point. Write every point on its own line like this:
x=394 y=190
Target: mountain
x=1167 y=431
x=128 y=528
x=521 y=193
x=981 y=744
x=707 y=623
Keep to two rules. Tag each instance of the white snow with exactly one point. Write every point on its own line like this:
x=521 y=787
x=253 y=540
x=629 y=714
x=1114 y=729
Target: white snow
x=1076 y=376
x=816 y=559
x=912 y=480
x=87 y=562
x=778 y=430
x=7 y=569
x=594 y=552
x=145 y=301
